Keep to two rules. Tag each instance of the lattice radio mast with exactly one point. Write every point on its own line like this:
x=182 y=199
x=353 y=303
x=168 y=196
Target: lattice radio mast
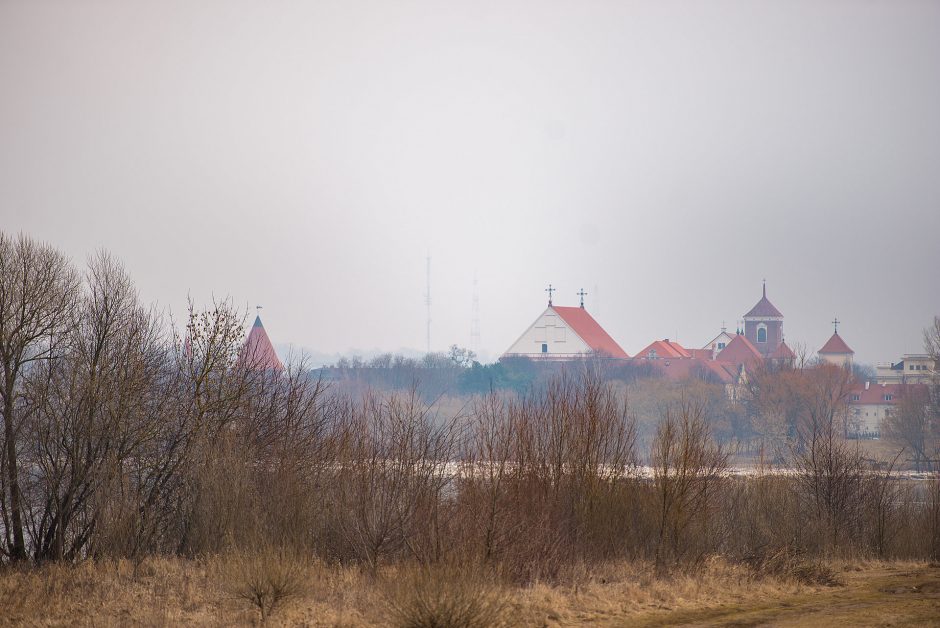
x=427 y=301
x=475 y=319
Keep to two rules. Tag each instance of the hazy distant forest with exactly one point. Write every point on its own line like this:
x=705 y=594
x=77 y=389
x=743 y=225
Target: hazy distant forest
x=131 y=439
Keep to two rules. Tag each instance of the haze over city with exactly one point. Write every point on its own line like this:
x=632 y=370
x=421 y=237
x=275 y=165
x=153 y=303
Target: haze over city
x=665 y=157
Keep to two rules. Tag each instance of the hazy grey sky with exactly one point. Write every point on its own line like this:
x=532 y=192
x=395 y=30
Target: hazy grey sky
x=666 y=155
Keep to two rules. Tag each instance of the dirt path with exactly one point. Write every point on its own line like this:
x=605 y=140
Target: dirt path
x=879 y=597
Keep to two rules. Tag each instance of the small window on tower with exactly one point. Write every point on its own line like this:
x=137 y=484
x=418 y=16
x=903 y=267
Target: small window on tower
x=544 y=347
x=721 y=345
x=762 y=334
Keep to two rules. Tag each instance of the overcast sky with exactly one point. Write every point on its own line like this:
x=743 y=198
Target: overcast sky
x=664 y=156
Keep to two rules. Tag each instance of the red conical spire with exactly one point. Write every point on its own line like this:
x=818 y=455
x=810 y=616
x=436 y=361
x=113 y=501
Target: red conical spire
x=258 y=353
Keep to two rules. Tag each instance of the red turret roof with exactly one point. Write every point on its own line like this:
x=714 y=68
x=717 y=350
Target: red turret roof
x=258 y=353
x=590 y=331
x=836 y=345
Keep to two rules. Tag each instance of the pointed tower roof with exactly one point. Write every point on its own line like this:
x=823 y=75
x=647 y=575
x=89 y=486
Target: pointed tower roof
x=764 y=308
x=835 y=345
x=258 y=353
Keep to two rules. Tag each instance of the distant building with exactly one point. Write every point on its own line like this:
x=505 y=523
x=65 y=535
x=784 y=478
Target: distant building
x=718 y=343
x=782 y=356
x=913 y=368
x=836 y=351
x=763 y=326
x=871 y=404
x=565 y=333
x=741 y=352
x=663 y=349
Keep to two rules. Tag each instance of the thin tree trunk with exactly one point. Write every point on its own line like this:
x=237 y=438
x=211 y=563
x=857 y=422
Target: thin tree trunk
x=18 y=551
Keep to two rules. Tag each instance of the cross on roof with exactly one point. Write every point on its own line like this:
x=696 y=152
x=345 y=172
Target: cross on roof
x=581 y=293
x=835 y=324
x=550 y=290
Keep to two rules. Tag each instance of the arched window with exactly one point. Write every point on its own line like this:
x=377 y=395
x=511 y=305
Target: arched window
x=761 y=334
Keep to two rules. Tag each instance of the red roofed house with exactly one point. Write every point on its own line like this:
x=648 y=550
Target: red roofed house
x=741 y=352
x=565 y=333
x=870 y=404
x=258 y=353
x=719 y=342
x=660 y=349
x=783 y=355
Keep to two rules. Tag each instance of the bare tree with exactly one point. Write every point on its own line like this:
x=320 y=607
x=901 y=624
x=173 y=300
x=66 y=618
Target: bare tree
x=38 y=289
x=687 y=467
x=829 y=469
x=85 y=409
x=393 y=469
x=911 y=425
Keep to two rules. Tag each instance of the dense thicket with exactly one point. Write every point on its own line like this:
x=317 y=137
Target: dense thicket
x=122 y=439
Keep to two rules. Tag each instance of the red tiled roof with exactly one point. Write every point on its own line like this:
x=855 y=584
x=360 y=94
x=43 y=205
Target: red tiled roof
x=258 y=353
x=763 y=308
x=740 y=351
x=701 y=354
x=664 y=349
x=836 y=345
x=684 y=368
x=875 y=395
x=783 y=352
x=590 y=331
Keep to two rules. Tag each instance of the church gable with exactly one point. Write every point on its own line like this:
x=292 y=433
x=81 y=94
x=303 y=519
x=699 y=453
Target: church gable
x=549 y=335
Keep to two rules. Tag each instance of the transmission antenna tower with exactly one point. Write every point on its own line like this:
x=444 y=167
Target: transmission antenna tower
x=427 y=301
x=475 y=319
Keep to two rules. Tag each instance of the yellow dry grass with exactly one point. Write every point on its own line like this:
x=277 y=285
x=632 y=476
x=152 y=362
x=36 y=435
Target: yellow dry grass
x=170 y=592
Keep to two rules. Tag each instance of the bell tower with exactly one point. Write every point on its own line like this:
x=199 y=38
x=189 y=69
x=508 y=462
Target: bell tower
x=763 y=325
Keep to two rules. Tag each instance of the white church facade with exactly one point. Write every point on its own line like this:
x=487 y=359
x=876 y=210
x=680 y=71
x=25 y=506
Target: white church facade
x=564 y=333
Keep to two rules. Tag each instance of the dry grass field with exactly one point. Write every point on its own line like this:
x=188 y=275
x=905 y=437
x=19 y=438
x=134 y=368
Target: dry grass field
x=169 y=592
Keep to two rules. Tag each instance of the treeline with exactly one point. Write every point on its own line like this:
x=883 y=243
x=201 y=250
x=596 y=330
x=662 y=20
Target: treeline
x=457 y=372
x=123 y=440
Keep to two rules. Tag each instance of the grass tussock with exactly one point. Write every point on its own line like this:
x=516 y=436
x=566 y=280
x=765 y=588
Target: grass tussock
x=446 y=597
x=267 y=578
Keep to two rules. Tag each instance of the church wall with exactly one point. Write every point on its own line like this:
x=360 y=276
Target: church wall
x=549 y=329
x=839 y=359
x=774 y=334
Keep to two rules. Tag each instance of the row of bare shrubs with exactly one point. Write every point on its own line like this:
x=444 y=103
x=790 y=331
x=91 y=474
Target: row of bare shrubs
x=530 y=486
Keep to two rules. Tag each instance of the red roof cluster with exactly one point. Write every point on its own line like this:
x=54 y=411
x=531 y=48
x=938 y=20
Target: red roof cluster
x=590 y=331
